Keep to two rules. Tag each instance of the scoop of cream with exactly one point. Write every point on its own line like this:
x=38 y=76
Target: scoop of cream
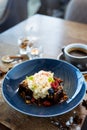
x=39 y=83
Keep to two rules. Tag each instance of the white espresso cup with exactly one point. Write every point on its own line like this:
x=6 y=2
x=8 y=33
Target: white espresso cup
x=76 y=54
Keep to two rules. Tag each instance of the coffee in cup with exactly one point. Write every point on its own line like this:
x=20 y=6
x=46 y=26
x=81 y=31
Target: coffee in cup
x=76 y=54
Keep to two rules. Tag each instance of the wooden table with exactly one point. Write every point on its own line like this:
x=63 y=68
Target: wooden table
x=52 y=34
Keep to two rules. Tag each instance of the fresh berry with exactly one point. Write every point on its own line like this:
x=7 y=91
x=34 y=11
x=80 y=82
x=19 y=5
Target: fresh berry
x=46 y=103
x=51 y=91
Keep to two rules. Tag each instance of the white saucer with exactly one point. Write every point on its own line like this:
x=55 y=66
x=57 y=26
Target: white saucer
x=61 y=57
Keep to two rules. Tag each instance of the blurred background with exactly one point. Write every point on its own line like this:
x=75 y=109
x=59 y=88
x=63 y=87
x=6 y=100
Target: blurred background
x=13 y=12
x=55 y=8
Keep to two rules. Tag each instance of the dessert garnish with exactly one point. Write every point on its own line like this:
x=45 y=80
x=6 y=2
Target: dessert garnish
x=42 y=88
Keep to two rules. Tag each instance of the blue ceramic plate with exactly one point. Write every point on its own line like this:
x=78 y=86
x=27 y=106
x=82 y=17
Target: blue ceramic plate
x=73 y=80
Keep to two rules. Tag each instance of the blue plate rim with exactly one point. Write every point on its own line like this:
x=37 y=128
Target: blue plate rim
x=50 y=114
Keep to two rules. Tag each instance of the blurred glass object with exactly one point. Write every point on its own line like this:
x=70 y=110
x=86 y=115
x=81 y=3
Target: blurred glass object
x=33 y=6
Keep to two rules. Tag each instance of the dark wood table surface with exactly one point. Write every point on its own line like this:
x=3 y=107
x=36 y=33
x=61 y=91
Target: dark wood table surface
x=53 y=34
